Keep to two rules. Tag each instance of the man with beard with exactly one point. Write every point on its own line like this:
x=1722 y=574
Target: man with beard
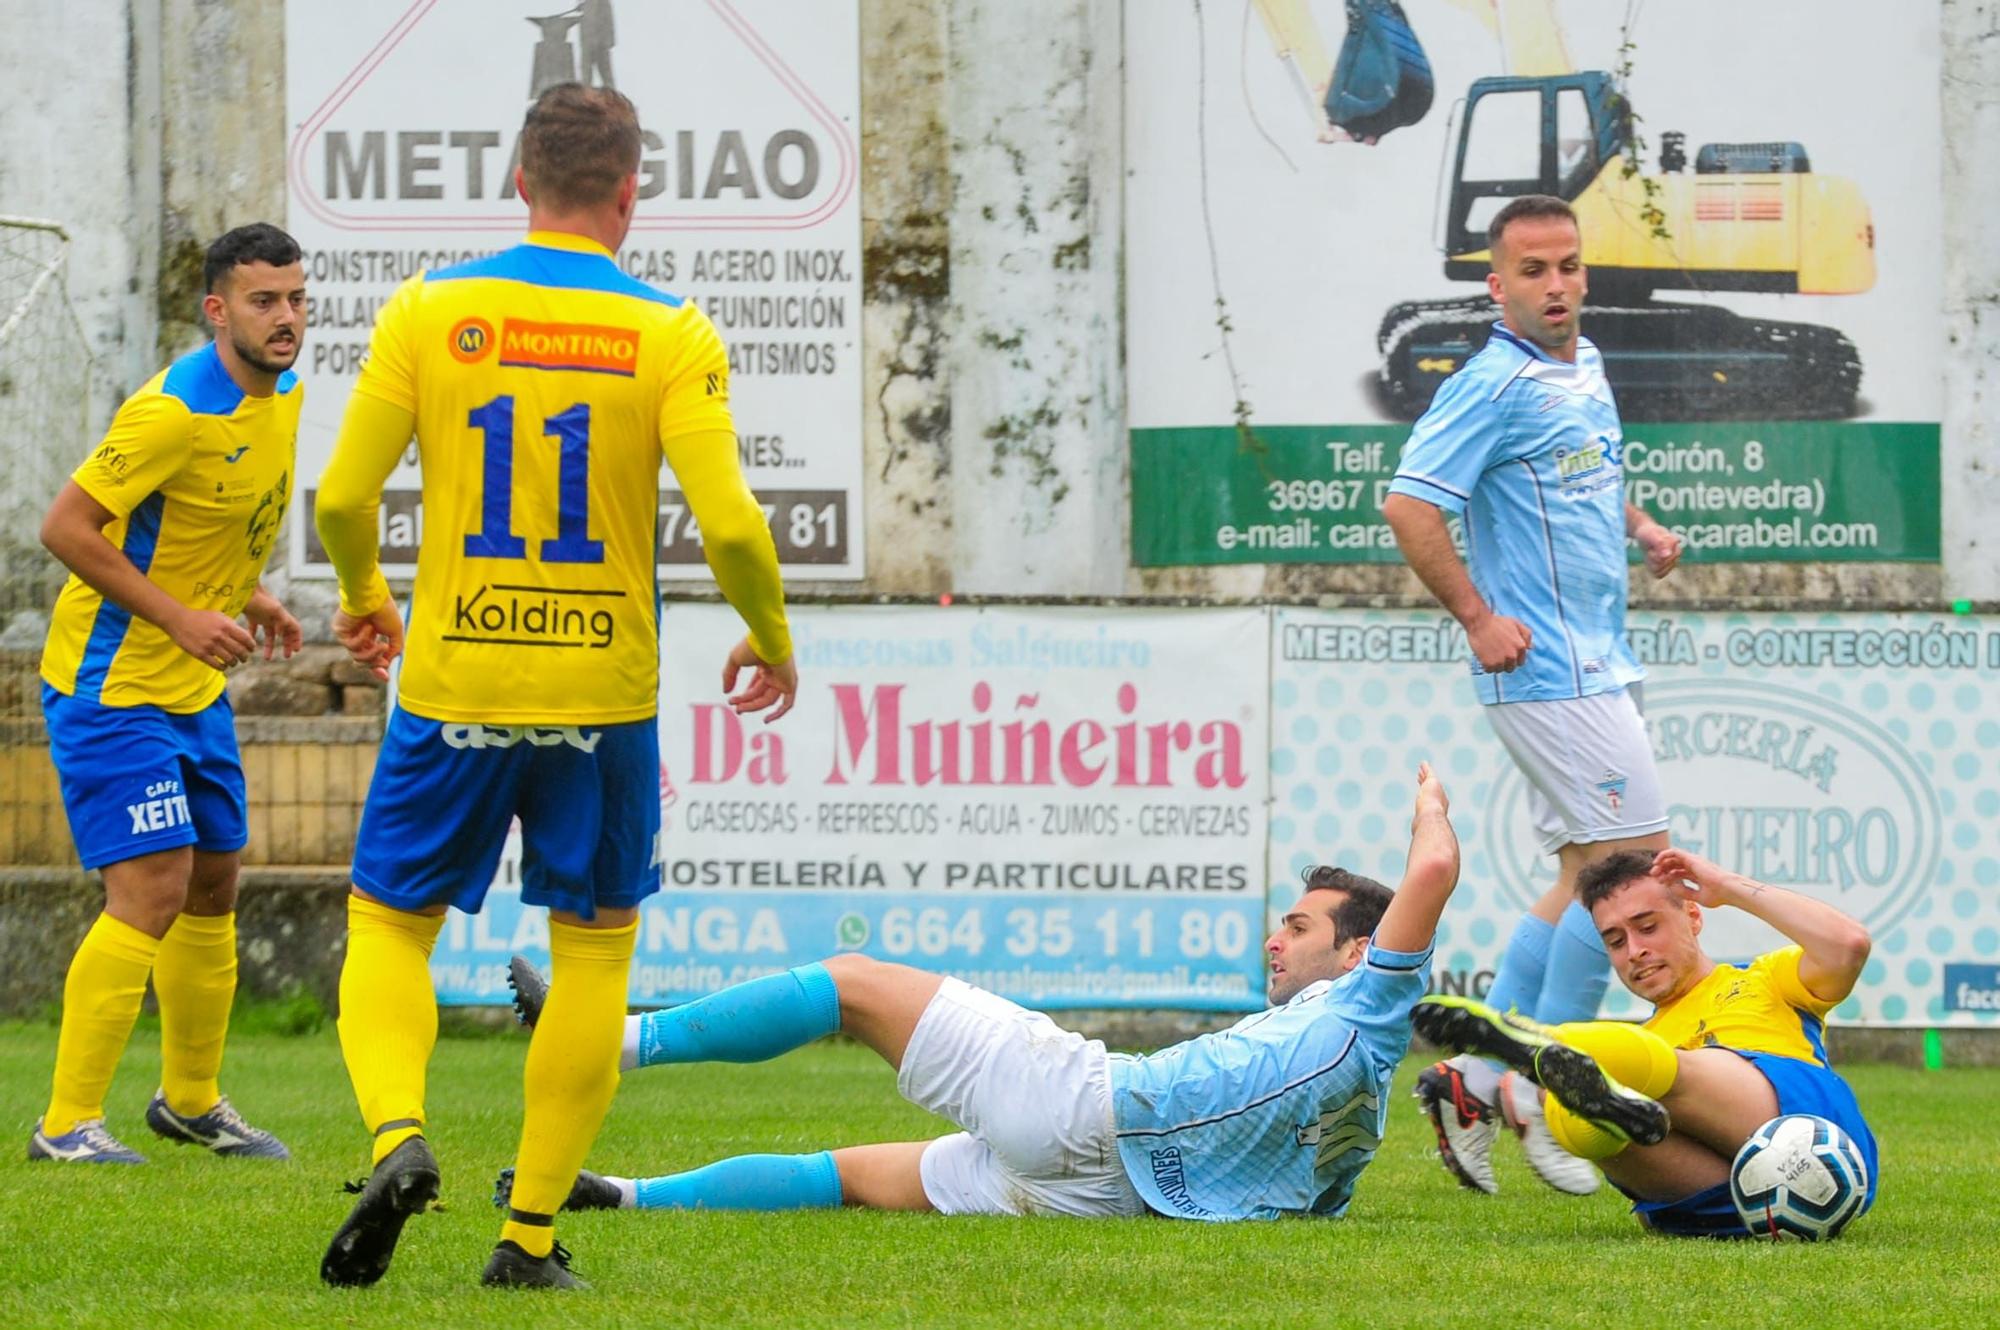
x=1524 y=442
x=166 y=529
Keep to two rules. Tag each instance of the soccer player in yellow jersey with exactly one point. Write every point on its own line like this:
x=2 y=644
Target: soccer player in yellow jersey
x=1664 y=1107
x=543 y=385
x=165 y=530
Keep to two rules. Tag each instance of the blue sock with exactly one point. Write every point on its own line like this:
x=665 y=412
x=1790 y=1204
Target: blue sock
x=1578 y=971
x=1517 y=985
x=748 y=1182
x=744 y=1022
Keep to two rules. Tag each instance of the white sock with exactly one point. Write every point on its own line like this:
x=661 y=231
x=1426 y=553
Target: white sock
x=1524 y=1098
x=628 y=1055
x=1482 y=1078
x=628 y=1192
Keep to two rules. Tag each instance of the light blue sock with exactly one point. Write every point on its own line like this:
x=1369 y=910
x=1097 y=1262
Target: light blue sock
x=1578 y=971
x=1517 y=984
x=748 y=1182
x=745 y=1022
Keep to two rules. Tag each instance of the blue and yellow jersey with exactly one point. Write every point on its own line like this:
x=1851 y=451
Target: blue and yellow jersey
x=1764 y=1008
x=197 y=473
x=545 y=385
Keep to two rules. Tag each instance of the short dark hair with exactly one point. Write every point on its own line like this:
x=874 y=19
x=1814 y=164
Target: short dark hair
x=1524 y=208
x=578 y=144
x=1362 y=905
x=1610 y=873
x=259 y=242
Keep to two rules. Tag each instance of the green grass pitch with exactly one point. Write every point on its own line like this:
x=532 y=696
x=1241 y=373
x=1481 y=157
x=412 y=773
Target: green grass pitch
x=195 y=1241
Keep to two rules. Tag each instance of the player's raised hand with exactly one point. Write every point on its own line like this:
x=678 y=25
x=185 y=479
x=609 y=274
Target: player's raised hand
x=213 y=638
x=769 y=686
x=1499 y=643
x=1661 y=547
x=371 y=640
x=1706 y=883
x=274 y=624
x=1430 y=790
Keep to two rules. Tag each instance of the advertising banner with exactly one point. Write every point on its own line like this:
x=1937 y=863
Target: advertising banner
x=1852 y=757
x=1065 y=806
x=405 y=118
x=1309 y=188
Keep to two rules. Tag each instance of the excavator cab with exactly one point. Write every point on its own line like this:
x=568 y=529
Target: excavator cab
x=1526 y=136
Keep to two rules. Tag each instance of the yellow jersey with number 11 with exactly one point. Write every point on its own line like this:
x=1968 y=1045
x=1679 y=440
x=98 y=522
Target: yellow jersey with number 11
x=545 y=383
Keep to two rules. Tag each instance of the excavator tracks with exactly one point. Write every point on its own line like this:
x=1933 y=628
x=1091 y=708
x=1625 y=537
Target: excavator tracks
x=1665 y=361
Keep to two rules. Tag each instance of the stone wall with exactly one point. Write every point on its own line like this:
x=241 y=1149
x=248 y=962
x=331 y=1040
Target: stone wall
x=308 y=728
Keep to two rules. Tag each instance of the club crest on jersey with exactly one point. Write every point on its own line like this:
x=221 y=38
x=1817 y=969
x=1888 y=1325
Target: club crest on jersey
x=1612 y=787
x=471 y=340
x=573 y=346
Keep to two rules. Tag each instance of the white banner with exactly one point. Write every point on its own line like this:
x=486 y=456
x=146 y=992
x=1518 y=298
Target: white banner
x=405 y=118
x=1065 y=806
x=1854 y=757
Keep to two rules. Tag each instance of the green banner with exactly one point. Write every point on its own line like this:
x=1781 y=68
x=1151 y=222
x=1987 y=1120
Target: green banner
x=1735 y=491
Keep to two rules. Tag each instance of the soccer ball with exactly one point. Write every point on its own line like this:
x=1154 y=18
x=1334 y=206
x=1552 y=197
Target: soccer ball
x=1798 y=1176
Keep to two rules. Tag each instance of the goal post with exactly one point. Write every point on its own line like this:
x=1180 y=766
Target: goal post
x=45 y=397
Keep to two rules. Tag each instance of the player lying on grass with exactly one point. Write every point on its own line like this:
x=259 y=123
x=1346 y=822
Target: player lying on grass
x=1664 y=1107
x=1275 y=1116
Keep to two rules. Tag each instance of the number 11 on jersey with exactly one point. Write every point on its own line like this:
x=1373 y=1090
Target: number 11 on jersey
x=495 y=538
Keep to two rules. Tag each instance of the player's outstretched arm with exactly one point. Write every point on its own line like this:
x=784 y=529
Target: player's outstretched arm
x=73 y=531
x=1430 y=875
x=1835 y=947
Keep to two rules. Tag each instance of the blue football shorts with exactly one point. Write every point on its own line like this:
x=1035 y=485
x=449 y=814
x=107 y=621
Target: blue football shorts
x=1802 y=1087
x=446 y=792
x=137 y=780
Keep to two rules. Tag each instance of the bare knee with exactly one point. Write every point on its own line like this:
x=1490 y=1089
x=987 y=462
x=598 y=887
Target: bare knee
x=148 y=892
x=211 y=888
x=880 y=1001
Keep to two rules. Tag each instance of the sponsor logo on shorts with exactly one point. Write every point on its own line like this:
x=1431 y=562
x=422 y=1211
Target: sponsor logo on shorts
x=506 y=736
x=1972 y=987
x=1612 y=786
x=164 y=808
x=471 y=340
x=525 y=344
x=525 y=616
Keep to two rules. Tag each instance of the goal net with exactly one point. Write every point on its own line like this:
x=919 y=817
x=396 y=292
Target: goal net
x=45 y=386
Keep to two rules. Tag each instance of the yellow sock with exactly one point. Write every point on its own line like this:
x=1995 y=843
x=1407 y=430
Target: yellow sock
x=572 y=1073
x=101 y=996
x=1630 y=1054
x=388 y=1016
x=194 y=977
x=1633 y=1056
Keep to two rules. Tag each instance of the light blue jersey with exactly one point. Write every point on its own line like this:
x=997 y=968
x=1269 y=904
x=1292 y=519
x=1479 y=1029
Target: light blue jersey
x=1530 y=450
x=1278 y=1114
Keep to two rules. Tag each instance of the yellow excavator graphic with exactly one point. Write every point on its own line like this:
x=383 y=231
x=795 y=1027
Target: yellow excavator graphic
x=1749 y=217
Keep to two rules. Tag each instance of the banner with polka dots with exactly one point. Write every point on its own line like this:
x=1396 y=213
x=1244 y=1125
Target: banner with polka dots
x=1852 y=757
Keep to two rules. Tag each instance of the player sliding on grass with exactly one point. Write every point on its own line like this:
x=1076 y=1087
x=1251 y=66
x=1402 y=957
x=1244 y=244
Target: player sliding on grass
x=1664 y=1107
x=1275 y=1116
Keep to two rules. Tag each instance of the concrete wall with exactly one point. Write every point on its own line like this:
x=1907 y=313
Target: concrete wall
x=993 y=138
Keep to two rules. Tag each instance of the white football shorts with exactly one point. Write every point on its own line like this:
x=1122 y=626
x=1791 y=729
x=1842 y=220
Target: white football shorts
x=1588 y=766
x=1034 y=1100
